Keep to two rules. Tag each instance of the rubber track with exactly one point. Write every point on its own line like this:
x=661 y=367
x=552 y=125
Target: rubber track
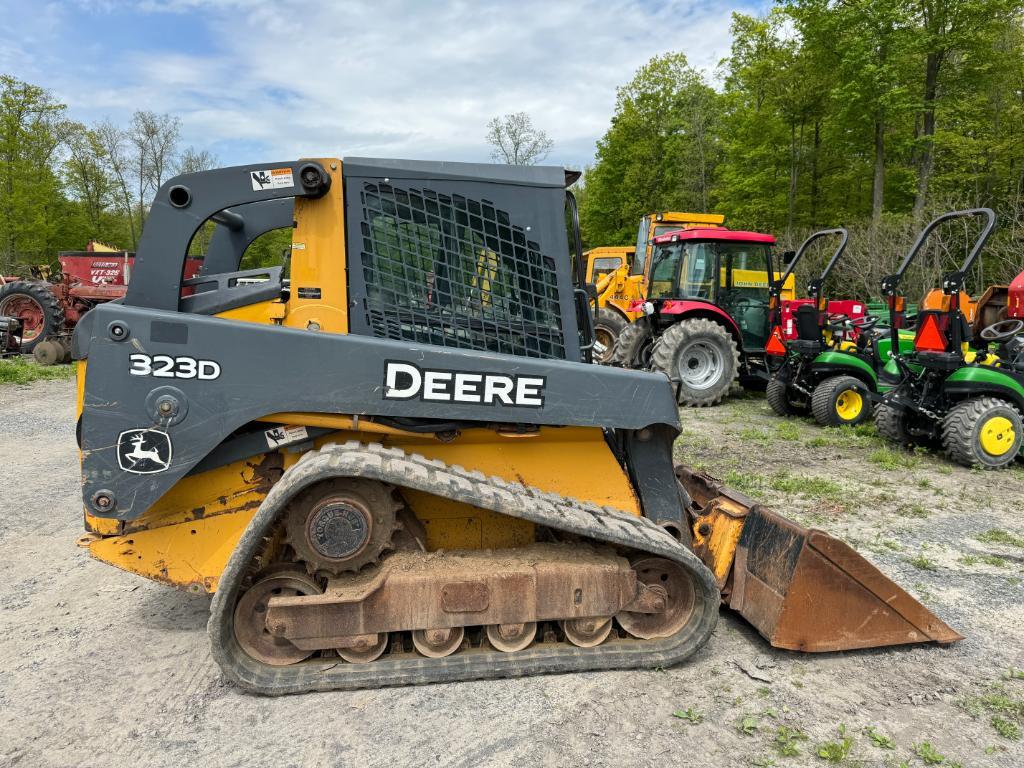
x=392 y=465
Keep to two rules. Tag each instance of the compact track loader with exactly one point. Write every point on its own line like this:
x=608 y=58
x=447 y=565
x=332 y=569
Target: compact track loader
x=394 y=465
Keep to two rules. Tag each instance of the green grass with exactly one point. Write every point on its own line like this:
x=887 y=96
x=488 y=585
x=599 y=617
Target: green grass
x=18 y=370
x=997 y=536
x=890 y=459
x=1006 y=728
x=787 y=431
x=913 y=510
x=784 y=482
x=923 y=562
x=1003 y=705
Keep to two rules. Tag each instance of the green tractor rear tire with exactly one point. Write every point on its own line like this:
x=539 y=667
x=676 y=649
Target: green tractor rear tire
x=841 y=400
x=982 y=432
x=784 y=400
x=608 y=326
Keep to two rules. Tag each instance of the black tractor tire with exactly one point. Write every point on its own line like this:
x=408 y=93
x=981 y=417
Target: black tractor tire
x=969 y=426
x=631 y=349
x=700 y=358
x=841 y=400
x=40 y=293
x=784 y=400
x=892 y=425
x=608 y=326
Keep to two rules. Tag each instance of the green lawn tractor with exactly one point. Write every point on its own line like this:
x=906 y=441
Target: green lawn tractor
x=955 y=392
x=837 y=365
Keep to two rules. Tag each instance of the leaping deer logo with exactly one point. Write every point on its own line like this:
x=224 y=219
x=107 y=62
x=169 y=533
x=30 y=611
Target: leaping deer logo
x=141 y=459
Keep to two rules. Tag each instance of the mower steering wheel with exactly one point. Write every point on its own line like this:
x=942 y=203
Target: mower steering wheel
x=1002 y=330
x=838 y=321
x=865 y=323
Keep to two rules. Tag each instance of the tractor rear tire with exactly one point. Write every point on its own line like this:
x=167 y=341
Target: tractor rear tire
x=982 y=432
x=700 y=359
x=841 y=400
x=608 y=327
x=36 y=299
x=784 y=401
x=892 y=425
x=633 y=347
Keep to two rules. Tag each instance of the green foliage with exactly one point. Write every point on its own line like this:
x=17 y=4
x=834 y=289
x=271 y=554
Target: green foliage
x=747 y=725
x=689 y=714
x=19 y=370
x=1006 y=728
x=836 y=751
x=890 y=459
x=880 y=740
x=928 y=754
x=870 y=114
x=787 y=740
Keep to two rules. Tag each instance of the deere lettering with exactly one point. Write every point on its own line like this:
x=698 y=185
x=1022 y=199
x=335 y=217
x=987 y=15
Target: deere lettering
x=406 y=381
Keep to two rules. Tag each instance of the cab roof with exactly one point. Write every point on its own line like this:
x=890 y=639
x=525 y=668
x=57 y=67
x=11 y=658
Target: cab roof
x=714 y=233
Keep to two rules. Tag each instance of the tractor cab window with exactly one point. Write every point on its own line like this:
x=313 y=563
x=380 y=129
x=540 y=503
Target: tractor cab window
x=743 y=289
x=683 y=271
x=603 y=265
x=640 y=258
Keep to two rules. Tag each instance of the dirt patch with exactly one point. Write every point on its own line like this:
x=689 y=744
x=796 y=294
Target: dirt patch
x=104 y=668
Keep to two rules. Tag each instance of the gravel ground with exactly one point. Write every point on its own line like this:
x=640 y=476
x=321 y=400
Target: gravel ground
x=102 y=668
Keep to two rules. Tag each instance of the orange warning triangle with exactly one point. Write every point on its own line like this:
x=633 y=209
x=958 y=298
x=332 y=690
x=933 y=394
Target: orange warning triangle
x=929 y=336
x=775 y=345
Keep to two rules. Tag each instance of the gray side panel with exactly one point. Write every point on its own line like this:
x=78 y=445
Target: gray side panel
x=521 y=175
x=227 y=246
x=267 y=369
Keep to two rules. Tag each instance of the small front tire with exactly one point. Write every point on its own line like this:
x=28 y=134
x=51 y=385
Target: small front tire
x=784 y=400
x=841 y=400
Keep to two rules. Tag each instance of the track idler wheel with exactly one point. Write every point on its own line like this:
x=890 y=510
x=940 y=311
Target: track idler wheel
x=438 y=643
x=587 y=633
x=510 y=638
x=676 y=585
x=250 y=622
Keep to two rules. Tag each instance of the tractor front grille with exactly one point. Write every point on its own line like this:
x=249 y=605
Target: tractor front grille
x=450 y=271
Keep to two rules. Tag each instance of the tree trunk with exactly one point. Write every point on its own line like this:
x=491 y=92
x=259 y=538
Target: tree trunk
x=878 y=185
x=814 y=172
x=793 y=172
x=926 y=158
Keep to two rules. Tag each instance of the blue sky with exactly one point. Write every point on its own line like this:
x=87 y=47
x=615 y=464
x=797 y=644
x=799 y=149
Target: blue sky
x=258 y=80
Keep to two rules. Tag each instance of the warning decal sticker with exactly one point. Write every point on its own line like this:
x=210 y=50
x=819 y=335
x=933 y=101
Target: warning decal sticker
x=285 y=435
x=276 y=178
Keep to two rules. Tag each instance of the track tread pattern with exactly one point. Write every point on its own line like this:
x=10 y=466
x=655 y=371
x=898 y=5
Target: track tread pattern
x=959 y=425
x=664 y=356
x=571 y=516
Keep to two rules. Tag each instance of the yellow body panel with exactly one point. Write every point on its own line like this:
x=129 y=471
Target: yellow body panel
x=716 y=534
x=318 y=260
x=186 y=538
x=188 y=555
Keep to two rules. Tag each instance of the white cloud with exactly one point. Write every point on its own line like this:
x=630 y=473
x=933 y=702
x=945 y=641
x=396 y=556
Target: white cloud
x=388 y=78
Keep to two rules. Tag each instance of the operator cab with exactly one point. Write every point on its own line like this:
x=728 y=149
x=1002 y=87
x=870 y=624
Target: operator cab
x=686 y=262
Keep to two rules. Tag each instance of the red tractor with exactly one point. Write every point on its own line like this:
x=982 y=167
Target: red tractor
x=48 y=307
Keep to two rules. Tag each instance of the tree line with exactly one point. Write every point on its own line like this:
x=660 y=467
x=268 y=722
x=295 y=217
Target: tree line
x=869 y=114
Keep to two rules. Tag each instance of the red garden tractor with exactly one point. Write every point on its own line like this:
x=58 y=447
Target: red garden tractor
x=49 y=306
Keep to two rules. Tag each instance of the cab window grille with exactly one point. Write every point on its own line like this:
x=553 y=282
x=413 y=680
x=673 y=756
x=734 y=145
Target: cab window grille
x=455 y=272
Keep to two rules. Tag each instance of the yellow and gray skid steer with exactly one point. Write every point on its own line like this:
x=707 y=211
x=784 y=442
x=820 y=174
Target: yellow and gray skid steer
x=393 y=464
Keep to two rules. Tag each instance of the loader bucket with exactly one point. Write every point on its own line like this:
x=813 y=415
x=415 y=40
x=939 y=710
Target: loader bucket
x=802 y=589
